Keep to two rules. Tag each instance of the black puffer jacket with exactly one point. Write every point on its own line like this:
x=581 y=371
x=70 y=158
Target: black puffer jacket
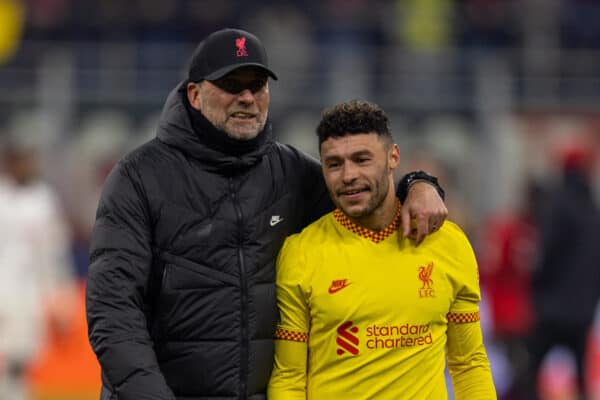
x=180 y=294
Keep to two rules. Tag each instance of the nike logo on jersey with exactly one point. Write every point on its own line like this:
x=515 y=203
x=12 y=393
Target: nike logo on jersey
x=338 y=285
x=275 y=219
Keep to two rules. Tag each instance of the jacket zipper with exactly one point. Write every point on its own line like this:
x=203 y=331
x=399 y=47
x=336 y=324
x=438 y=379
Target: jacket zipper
x=244 y=348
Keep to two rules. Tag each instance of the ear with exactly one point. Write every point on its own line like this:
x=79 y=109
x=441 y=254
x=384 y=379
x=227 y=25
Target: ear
x=393 y=157
x=194 y=96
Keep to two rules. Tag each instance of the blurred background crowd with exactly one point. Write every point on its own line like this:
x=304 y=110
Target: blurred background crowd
x=498 y=98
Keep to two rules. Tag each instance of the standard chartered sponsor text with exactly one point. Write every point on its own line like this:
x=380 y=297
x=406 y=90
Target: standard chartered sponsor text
x=393 y=336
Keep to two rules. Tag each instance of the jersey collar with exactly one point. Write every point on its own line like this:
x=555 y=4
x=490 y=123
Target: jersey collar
x=374 y=236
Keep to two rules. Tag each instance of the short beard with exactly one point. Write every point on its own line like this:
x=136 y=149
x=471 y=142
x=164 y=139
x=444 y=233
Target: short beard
x=376 y=200
x=374 y=203
x=243 y=137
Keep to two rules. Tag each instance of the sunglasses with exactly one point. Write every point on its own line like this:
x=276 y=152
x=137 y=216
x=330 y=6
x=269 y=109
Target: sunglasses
x=234 y=86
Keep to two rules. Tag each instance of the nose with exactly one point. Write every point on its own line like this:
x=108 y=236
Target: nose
x=246 y=96
x=349 y=172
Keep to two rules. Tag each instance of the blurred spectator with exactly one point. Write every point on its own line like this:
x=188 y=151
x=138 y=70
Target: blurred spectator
x=35 y=265
x=566 y=281
x=507 y=252
x=12 y=18
x=424 y=25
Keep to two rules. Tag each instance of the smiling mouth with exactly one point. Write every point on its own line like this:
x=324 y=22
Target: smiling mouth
x=352 y=192
x=243 y=115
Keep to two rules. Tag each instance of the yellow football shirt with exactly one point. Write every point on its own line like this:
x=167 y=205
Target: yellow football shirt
x=364 y=315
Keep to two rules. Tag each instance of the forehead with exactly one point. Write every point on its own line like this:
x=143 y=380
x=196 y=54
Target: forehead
x=247 y=73
x=346 y=146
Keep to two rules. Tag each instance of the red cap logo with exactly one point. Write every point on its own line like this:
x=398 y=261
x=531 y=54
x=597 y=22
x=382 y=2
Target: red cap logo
x=240 y=43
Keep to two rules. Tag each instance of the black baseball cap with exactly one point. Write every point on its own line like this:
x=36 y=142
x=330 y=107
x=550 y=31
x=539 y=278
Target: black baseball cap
x=225 y=50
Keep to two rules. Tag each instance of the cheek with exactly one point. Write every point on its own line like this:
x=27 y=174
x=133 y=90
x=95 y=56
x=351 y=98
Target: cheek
x=330 y=179
x=263 y=103
x=217 y=107
x=383 y=178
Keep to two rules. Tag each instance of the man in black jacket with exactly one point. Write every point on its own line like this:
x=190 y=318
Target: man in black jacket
x=566 y=280
x=181 y=295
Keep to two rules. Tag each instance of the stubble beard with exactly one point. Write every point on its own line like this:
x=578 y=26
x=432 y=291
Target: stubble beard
x=243 y=134
x=239 y=133
x=379 y=193
x=373 y=204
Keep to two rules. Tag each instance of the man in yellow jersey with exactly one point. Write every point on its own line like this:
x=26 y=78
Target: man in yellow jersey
x=361 y=317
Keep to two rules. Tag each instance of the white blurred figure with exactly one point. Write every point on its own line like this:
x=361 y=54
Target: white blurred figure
x=35 y=266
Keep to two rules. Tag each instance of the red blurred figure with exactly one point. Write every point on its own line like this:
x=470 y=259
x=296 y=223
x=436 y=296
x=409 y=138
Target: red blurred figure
x=508 y=249
x=566 y=280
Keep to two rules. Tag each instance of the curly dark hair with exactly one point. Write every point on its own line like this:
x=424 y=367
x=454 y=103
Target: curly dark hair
x=353 y=117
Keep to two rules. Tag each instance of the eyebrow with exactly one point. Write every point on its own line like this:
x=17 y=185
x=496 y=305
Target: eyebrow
x=363 y=152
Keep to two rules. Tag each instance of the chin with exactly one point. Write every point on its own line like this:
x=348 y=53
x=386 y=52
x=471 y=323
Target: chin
x=242 y=135
x=353 y=212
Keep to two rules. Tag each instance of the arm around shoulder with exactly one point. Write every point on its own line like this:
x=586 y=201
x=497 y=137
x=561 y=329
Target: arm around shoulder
x=422 y=200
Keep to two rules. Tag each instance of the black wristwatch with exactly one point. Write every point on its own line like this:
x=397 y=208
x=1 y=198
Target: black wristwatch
x=417 y=176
